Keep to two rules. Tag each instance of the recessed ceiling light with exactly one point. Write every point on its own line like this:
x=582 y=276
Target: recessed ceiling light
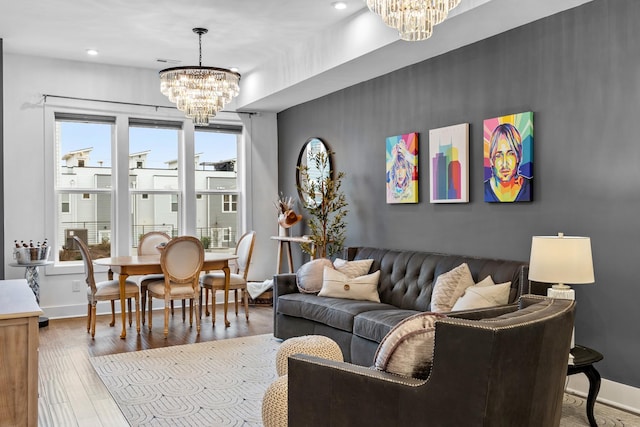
x=234 y=69
x=339 y=5
x=92 y=52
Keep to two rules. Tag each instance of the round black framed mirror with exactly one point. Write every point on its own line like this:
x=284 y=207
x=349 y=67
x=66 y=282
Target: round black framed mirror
x=314 y=165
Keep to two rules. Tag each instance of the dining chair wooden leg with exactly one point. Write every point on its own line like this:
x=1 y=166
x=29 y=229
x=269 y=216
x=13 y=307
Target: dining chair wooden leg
x=143 y=301
x=166 y=320
x=206 y=301
x=137 y=315
x=235 y=299
x=191 y=302
x=172 y=307
x=88 y=317
x=130 y=312
x=93 y=320
x=245 y=296
x=184 y=309
x=150 y=311
x=213 y=307
x=113 y=314
x=197 y=323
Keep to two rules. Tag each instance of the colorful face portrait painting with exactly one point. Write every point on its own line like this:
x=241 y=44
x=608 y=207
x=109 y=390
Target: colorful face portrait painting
x=402 y=168
x=449 y=161
x=508 y=158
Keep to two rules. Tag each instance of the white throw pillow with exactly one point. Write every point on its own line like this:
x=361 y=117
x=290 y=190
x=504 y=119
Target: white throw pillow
x=309 y=275
x=449 y=287
x=487 y=281
x=407 y=349
x=338 y=285
x=353 y=268
x=483 y=296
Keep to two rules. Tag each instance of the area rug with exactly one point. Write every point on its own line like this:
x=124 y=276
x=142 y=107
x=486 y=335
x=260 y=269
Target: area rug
x=216 y=383
x=221 y=383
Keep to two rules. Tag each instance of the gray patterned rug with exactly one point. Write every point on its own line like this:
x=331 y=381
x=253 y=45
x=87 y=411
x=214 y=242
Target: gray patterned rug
x=221 y=383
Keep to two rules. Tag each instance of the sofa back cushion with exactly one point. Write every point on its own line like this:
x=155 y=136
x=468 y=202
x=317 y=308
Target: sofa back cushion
x=407 y=277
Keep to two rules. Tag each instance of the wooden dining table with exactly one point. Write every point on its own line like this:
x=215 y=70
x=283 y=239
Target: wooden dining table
x=126 y=266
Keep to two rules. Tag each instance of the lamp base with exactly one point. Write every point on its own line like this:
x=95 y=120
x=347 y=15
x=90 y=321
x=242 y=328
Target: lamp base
x=564 y=292
x=561 y=292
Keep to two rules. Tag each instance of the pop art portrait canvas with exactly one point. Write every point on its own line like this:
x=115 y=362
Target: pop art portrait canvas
x=508 y=158
x=402 y=168
x=449 y=162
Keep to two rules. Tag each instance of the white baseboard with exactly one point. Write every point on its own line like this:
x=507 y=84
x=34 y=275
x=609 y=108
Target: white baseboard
x=611 y=393
x=103 y=307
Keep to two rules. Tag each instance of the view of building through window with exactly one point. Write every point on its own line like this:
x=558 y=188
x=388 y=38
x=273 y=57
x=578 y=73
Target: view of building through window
x=84 y=184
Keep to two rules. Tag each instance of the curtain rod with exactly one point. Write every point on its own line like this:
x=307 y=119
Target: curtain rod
x=75 y=98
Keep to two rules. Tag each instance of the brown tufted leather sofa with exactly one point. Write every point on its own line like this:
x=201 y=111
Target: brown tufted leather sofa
x=506 y=371
x=405 y=287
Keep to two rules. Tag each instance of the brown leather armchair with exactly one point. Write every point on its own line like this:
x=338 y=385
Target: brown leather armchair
x=497 y=371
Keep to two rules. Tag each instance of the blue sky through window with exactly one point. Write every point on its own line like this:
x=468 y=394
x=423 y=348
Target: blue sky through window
x=162 y=143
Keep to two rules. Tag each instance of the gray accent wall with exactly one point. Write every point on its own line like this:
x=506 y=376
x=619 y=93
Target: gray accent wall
x=579 y=72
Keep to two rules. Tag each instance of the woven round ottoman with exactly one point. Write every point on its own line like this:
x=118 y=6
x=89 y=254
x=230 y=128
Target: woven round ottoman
x=274 y=403
x=314 y=345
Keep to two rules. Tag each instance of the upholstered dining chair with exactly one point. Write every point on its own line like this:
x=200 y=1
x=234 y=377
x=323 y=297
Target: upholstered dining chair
x=181 y=261
x=148 y=245
x=108 y=290
x=214 y=281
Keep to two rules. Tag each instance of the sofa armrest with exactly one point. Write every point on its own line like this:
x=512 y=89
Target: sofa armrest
x=484 y=313
x=284 y=284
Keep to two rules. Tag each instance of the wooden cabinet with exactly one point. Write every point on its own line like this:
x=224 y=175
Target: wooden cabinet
x=18 y=354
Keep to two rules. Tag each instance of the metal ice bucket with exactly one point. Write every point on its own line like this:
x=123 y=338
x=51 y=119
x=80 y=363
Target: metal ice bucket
x=31 y=255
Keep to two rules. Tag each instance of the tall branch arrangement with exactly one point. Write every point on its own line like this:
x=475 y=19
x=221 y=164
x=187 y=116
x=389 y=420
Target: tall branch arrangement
x=326 y=205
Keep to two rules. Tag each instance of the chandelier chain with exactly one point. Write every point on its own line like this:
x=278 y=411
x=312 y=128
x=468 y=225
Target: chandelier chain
x=200 y=49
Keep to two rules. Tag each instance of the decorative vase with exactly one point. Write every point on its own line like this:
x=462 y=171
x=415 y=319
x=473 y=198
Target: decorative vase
x=282 y=231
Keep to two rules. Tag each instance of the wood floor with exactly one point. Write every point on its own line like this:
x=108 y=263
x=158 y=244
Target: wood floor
x=71 y=393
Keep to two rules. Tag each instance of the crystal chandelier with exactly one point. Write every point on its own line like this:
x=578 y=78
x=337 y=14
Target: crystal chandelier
x=414 y=19
x=200 y=92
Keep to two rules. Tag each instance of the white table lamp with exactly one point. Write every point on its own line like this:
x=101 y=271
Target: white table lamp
x=561 y=260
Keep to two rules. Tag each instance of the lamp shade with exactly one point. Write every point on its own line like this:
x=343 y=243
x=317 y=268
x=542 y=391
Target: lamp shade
x=561 y=259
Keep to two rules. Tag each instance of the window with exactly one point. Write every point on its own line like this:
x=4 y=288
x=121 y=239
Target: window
x=216 y=183
x=64 y=203
x=87 y=194
x=229 y=203
x=153 y=176
x=83 y=192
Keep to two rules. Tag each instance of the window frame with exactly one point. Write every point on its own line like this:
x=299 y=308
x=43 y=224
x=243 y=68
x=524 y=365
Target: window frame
x=120 y=191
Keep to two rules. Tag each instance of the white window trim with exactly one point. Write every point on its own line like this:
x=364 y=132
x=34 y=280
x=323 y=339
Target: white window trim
x=120 y=237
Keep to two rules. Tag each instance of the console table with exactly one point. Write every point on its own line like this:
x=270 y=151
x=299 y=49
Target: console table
x=19 y=356
x=583 y=360
x=284 y=245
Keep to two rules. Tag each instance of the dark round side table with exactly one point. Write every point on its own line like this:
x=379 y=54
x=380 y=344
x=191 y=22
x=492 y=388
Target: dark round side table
x=583 y=360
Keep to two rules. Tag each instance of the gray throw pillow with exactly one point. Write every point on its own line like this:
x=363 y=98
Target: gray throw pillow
x=309 y=275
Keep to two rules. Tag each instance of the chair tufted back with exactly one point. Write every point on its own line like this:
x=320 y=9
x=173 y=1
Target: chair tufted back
x=407 y=277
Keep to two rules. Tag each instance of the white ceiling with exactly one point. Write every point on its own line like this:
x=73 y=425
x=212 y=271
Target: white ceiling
x=288 y=51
